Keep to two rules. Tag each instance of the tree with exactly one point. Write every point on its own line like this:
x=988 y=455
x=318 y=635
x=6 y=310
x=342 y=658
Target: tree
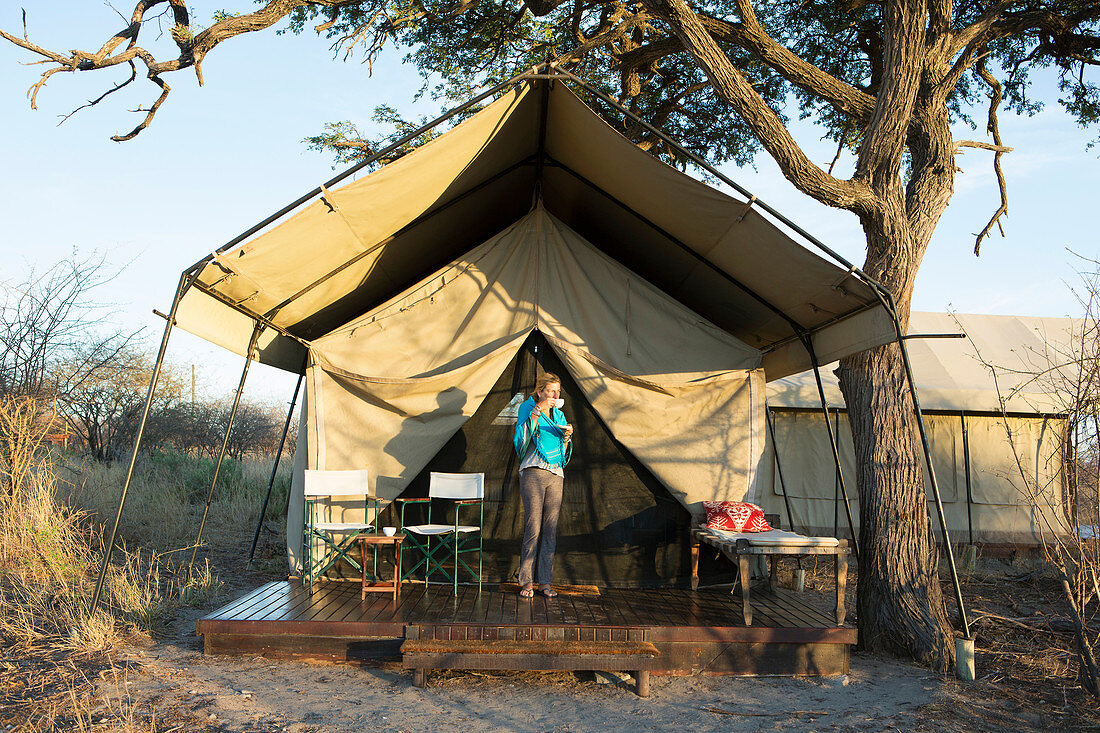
x=885 y=78
x=51 y=336
x=105 y=406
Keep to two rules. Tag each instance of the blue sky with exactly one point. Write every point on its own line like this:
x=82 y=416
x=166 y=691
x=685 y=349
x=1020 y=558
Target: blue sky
x=219 y=158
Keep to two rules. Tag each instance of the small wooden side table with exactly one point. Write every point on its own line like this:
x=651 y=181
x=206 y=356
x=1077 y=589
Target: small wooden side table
x=375 y=585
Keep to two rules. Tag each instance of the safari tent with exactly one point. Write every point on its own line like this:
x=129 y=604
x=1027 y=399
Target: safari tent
x=978 y=426
x=419 y=301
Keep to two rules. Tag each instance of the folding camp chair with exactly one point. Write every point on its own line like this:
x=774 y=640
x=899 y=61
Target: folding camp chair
x=333 y=539
x=450 y=540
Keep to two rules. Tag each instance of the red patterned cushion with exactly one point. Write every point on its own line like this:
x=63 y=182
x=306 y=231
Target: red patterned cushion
x=735 y=516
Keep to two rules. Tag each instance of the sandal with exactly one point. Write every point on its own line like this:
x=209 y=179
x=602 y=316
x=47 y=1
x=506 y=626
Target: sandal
x=548 y=592
x=527 y=593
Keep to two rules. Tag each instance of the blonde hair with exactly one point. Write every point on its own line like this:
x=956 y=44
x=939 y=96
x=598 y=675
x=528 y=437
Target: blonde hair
x=544 y=379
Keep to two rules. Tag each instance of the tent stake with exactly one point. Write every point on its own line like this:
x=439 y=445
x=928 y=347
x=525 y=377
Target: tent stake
x=225 y=443
x=275 y=468
x=181 y=288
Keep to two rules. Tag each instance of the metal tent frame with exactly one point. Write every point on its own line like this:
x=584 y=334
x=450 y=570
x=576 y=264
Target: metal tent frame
x=552 y=72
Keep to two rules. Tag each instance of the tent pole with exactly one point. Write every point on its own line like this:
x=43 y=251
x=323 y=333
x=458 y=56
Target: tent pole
x=836 y=495
x=779 y=468
x=225 y=443
x=808 y=342
x=275 y=468
x=181 y=288
x=966 y=473
x=888 y=300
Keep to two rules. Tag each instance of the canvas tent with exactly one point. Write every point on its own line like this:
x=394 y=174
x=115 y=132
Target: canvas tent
x=963 y=410
x=420 y=298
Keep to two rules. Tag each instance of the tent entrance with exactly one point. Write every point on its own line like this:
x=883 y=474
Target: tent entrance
x=618 y=527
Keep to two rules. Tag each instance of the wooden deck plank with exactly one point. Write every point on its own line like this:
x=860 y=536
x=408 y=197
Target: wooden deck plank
x=337 y=607
x=419 y=603
x=288 y=607
x=808 y=613
x=291 y=611
x=249 y=599
x=411 y=595
x=338 y=604
x=319 y=610
x=774 y=611
x=258 y=603
x=440 y=597
x=631 y=612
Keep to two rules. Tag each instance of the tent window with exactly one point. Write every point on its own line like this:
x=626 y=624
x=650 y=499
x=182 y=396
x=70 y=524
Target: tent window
x=510 y=412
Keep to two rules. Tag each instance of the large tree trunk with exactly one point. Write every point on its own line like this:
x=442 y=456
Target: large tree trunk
x=899 y=599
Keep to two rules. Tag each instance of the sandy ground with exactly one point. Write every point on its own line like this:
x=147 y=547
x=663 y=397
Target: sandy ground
x=185 y=690
x=169 y=685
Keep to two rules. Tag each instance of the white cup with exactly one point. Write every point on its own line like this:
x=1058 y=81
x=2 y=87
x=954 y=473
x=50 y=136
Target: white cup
x=389 y=531
x=559 y=403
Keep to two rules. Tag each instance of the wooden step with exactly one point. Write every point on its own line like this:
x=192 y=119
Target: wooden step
x=421 y=655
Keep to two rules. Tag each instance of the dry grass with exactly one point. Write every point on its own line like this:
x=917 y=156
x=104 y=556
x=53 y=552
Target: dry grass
x=50 y=551
x=168 y=492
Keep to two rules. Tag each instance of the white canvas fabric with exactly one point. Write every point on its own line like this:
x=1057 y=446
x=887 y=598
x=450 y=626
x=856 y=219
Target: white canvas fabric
x=954 y=373
x=1005 y=508
x=357 y=245
x=953 y=379
x=390 y=388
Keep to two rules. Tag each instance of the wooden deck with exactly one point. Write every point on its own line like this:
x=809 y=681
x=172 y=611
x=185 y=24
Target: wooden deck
x=696 y=631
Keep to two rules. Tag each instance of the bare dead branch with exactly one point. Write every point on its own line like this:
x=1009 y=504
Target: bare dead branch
x=992 y=127
x=149 y=113
x=982 y=145
x=101 y=97
x=192 y=47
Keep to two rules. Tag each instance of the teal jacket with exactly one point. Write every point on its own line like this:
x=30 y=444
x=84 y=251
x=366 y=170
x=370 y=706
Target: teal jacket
x=548 y=435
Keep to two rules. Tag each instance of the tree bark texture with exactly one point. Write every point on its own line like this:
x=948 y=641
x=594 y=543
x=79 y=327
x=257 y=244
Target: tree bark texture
x=899 y=599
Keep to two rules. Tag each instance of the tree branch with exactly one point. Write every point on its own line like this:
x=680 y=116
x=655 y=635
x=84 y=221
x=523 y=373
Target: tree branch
x=982 y=145
x=192 y=49
x=992 y=127
x=752 y=37
x=766 y=125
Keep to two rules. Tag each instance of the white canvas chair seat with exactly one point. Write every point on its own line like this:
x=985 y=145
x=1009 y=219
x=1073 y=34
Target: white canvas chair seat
x=338 y=527
x=775 y=538
x=427 y=529
x=325 y=542
x=451 y=540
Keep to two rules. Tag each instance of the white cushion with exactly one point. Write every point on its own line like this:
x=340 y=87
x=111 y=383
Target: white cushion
x=775 y=538
x=439 y=528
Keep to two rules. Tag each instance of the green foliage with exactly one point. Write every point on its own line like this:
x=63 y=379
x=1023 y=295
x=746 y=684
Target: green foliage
x=345 y=141
x=460 y=47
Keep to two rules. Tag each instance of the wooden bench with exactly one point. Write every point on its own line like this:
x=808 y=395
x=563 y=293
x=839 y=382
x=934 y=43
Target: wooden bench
x=421 y=655
x=741 y=549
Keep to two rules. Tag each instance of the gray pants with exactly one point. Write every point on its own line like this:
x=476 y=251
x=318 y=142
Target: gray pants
x=541 y=491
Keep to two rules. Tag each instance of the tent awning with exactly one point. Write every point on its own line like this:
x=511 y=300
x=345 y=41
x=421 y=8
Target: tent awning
x=1030 y=356
x=361 y=244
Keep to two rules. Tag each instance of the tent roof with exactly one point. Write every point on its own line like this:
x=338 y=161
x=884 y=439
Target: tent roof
x=361 y=244
x=952 y=376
